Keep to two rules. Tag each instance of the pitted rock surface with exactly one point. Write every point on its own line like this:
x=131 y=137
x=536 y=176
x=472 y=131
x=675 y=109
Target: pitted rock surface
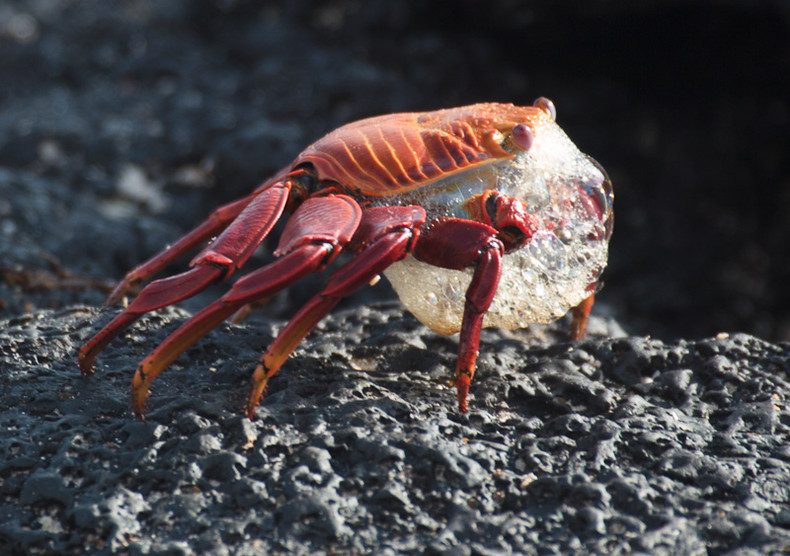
x=617 y=444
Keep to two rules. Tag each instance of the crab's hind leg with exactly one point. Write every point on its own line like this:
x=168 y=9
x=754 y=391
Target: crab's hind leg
x=458 y=244
x=224 y=255
x=313 y=236
x=215 y=223
x=385 y=235
x=579 y=317
x=211 y=227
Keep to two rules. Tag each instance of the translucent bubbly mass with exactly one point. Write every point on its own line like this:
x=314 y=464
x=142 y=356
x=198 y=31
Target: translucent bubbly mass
x=546 y=277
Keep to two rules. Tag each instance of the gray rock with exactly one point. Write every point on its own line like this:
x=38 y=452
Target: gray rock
x=332 y=461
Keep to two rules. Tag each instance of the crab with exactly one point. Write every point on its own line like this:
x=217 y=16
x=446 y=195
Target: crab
x=483 y=215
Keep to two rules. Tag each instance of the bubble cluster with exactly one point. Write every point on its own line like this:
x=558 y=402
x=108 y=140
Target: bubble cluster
x=547 y=276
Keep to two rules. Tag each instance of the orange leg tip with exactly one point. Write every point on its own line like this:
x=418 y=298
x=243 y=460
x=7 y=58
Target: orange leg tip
x=239 y=316
x=252 y=405
x=259 y=380
x=139 y=394
x=117 y=294
x=128 y=283
x=139 y=397
x=85 y=362
x=138 y=403
x=580 y=315
x=462 y=384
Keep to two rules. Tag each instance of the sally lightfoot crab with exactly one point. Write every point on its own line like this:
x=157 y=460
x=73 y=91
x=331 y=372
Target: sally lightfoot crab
x=484 y=215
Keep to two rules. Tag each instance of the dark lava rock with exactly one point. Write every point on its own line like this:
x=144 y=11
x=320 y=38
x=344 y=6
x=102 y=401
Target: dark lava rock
x=613 y=444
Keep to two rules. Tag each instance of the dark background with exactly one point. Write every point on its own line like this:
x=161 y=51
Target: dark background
x=684 y=103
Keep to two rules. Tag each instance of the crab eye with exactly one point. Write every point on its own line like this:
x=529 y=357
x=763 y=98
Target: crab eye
x=547 y=106
x=522 y=136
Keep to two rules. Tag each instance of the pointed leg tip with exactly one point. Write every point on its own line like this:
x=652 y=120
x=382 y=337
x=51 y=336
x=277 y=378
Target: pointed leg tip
x=138 y=409
x=123 y=289
x=87 y=370
x=85 y=361
x=462 y=384
x=258 y=387
x=116 y=295
x=250 y=408
x=239 y=316
x=577 y=330
x=139 y=394
x=579 y=317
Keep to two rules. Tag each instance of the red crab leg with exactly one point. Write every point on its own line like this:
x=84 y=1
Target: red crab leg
x=216 y=222
x=458 y=244
x=386 y=235
x=228 y=252
x=213 y=225
x=580 y=314
x=314 y=236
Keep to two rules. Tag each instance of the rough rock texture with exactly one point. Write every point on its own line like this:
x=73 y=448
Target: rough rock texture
x=122 y=123
x=612 y=444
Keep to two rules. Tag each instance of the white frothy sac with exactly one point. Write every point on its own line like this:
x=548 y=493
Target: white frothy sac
x=545 y=278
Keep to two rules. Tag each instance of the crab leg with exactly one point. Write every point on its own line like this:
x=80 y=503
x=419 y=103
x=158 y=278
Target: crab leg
x=579 y=316
x=227 y=253
x=313 y=237
x=458 y=244
x=386 y=235
x=216 y=222
x=213 y=225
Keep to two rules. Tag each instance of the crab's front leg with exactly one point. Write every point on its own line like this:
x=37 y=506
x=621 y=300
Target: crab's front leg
x=385 y=235
x=458 y=244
